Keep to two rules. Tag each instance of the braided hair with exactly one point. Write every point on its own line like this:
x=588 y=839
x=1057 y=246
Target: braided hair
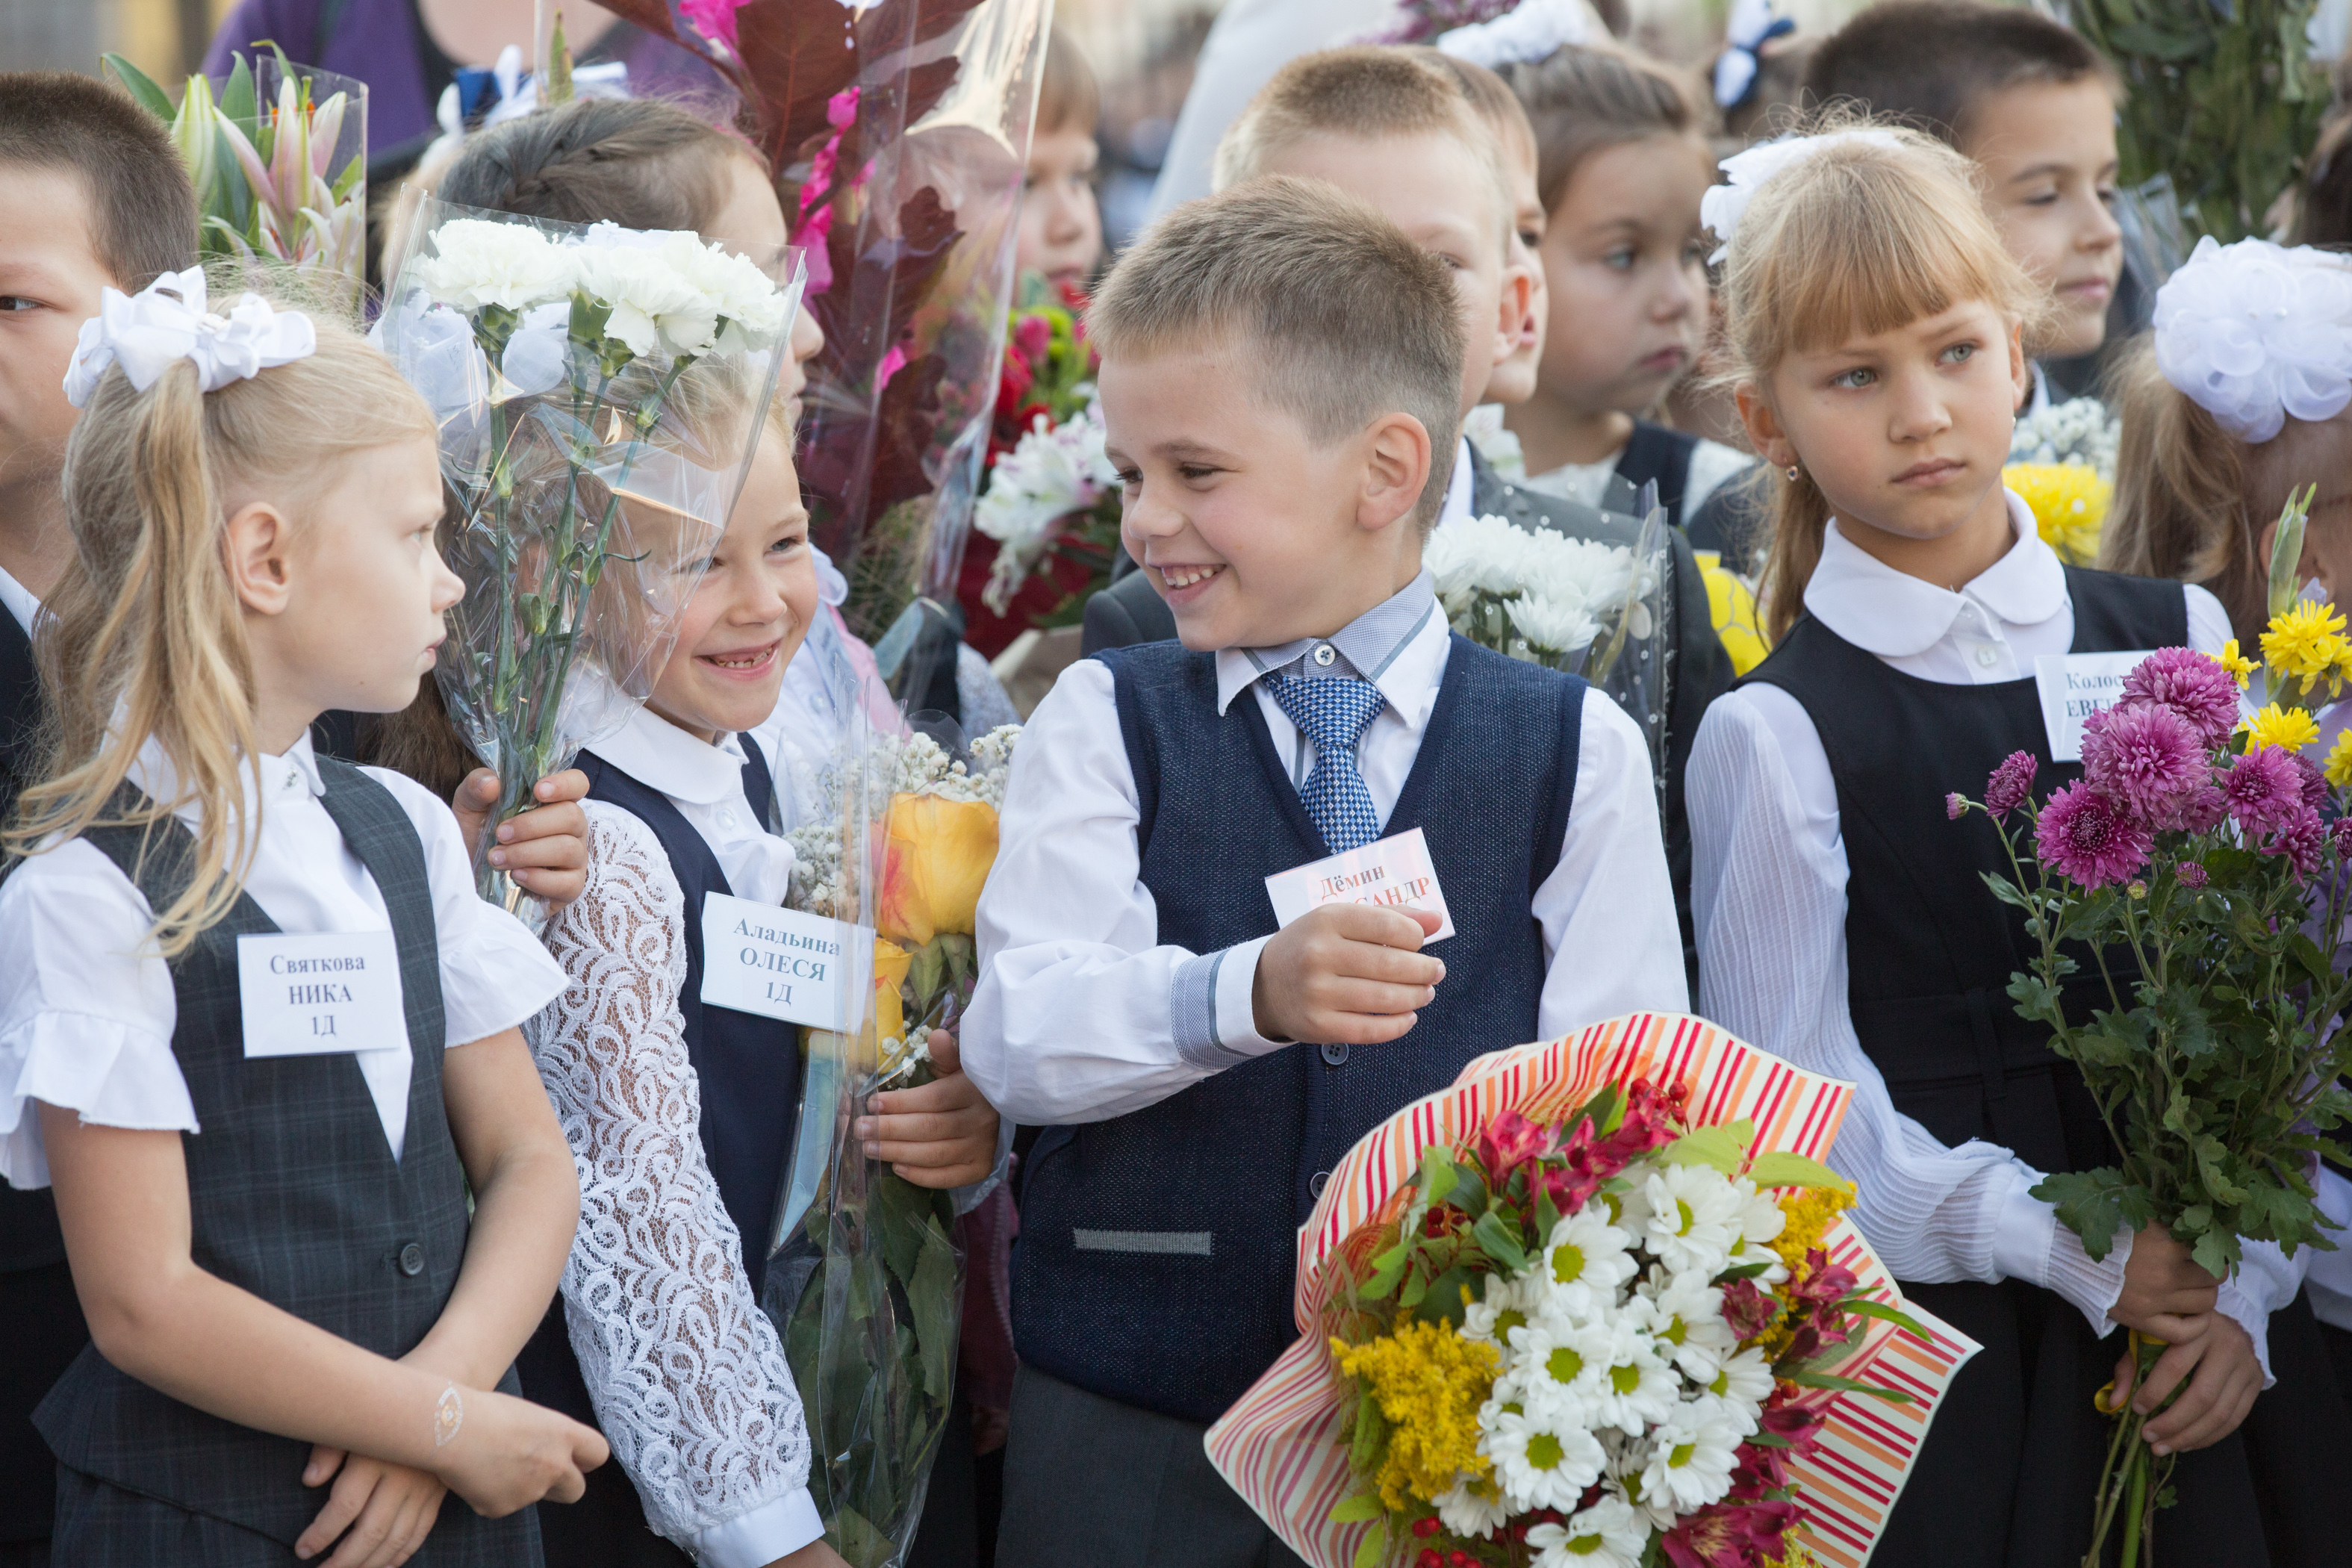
x=640 y=162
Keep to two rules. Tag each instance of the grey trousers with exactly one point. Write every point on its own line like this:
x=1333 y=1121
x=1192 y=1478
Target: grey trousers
x=1092 y=1483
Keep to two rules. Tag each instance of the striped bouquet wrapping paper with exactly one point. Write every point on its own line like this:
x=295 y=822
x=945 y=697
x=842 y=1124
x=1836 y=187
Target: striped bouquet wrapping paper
x=1284 y=1446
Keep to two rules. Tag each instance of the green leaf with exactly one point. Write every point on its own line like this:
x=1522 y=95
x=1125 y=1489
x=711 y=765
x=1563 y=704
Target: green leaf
x=1863 y=1307
x=1607 y=1109
x=236 y=100
x=1356 y=1509
x=1724 y=1147
x=2089 y=1204
x=136 y=82
x=1811 y=1379
x=1387 y=1269
x=1778 y=1168
x=1375 y=1546
x=1444 y=1301
x=939 y=1312
x=1501 y=1243
x=1439 y=1174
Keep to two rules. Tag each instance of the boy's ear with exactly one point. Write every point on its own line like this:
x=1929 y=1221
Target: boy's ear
x=1764 y=433
x=258 y=548
x=1518 y=299
x=1397 y=456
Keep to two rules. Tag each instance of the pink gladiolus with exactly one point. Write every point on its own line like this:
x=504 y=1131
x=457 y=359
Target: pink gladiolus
x=2191 y=685
x=2084 y=836
x=2006 y=789
x=892 y=363
x=714 y=19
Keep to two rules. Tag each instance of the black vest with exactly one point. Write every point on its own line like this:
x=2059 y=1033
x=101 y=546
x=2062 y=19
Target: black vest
x=1929 y=951
x=295 y=1196
x=748 y=1067
x=1655 y=454
x=1158 y=1250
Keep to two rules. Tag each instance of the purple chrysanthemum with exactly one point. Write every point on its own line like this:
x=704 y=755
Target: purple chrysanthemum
x=2339 y=832
x=2006 y=789
x=2146 y=756
x=2262 y=790
x=2191 y=685
x=1956 y=806
x=2192 y=875
x=2314 y=782
x=2085 y=835
x=2301 y=840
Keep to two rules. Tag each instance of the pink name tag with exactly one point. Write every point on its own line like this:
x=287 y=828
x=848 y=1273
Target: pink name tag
x=1393 y=872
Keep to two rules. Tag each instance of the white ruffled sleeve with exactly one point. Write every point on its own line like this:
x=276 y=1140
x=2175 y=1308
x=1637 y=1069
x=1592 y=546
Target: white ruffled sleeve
x=1767 y=892
x=686 y=1375
x=86 y=1009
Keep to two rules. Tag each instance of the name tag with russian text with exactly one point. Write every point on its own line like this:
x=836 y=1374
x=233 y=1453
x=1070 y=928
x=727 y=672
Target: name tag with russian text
x=2073 y=686
x=321 y=993
x=784 y=963
x=1393 y=872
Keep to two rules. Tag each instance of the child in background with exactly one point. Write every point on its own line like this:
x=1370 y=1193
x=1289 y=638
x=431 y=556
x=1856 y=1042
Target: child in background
x=1624 y=159
x=1879 y=322
x=1060 y=233
x=1514 y=378
x=1198 y=1072
x=272 y=1245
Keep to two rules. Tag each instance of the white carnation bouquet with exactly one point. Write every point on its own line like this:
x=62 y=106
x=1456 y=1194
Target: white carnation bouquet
x=600 y=392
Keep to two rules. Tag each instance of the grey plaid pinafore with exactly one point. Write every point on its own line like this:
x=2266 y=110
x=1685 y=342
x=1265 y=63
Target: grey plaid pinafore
x=294 y=1195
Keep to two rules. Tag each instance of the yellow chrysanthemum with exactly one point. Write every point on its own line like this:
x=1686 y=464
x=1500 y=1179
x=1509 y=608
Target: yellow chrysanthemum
x=2304 y=642
x=2339 y=761
x=1429 y=1382
x=2288 y=729
x=1732 y=608
x=2236 y=663
x=2069 y=502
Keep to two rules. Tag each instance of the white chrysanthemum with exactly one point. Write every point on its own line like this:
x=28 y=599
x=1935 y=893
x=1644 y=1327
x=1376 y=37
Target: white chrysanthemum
x=477 y=262
x=654 y=305
x=1582 y=1265
x=1684 y=1314
x=1608 y=1534
x=1760 y=1221
x=1744 y=1381
x=1508 y=1304
x=1687 y=1215
x=1691 y=1456
x=1472 y=1508
x=1476 y=554
x=1636 y=1387
x=1539 y=1463
x=1052 y=471
x=1553 y=626
x=1557 y=1368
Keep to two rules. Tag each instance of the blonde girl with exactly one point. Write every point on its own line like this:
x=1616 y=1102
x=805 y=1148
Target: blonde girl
x=1876 y=321
x=255 y=1026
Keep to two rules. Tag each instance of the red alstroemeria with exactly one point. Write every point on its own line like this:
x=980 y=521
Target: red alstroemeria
x=1510 y=1143
x=1801 y=1425
x=1653 y=1119
x=1747 y=1309
x=1729 y=1535
x=1815 y=1295
x=1757 y=1471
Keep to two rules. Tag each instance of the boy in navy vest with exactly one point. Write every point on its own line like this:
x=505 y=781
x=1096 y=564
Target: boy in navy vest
x=1280 y=362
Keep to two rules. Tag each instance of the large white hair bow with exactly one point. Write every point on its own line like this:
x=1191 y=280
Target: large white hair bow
x=1528 y=31
x=1721 y=208
x=166 y=321
x=2253 y=332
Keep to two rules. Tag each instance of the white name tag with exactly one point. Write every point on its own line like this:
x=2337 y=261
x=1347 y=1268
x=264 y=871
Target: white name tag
x=2074 y=687
x=1392 y=871
x=783 y=963
x=318 y=994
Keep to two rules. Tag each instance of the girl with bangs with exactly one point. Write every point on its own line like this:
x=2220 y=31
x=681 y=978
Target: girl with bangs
x=1878 y=324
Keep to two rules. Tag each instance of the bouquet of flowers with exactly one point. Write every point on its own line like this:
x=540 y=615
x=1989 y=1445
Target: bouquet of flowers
x=1595 y=1304
x=278 y=158
x=2185 y=869
x=600 y=392
x=2062 y=463
x=865 y=1279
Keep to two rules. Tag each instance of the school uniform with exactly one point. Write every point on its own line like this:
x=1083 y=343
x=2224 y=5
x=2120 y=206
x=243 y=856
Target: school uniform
x=1843 y=925
x=1120 y=936
x=327 y=1184
x=1686 y=468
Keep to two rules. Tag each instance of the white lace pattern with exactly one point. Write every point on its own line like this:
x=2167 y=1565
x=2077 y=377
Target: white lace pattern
x=686 y=1374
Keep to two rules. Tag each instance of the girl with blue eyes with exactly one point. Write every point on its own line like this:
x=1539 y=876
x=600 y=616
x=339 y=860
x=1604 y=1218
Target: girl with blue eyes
x=1876 y=322
x=1622 y=161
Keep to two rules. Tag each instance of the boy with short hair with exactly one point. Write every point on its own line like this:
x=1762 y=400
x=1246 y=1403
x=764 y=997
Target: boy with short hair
x=1282 y=381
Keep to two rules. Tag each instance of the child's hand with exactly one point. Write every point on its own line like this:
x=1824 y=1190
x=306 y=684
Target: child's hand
x=1346 y=975
x=942 y=1135
x=816 y=1554
x=2163 y=1286
x=508 y=1453
x=383 y=1511
x=544 y=849
x=2224 y=1376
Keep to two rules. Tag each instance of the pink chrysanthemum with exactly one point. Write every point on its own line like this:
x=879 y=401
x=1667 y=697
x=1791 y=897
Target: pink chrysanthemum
x=2192 y=875
x=2264 y=790
x=2301 y=840
x=2339 y=832
x=2315 y=782
x=2146 y=756
x=1956 y=807
x=2006 y=789
x=2192 y=685
x=2085 y=835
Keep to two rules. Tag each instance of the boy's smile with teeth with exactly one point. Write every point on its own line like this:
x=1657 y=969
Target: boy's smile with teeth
x=1185 y=576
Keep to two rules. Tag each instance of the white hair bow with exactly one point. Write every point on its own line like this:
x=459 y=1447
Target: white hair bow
x=166 y=321
x=1528 y=31
x=1721 y=208
x=2252 y=332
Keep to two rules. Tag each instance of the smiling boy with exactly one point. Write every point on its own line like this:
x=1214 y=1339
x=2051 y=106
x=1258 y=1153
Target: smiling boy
x=1199 y=1070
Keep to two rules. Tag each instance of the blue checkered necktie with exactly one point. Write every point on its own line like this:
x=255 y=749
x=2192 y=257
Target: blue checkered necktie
x=1334 y=713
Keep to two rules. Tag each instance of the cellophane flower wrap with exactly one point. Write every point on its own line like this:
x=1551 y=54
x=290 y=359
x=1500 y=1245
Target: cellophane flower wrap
x=864 y=1277
x=2178 y=902
x=278 y=155
x=1597 y=1303
x=600 y=392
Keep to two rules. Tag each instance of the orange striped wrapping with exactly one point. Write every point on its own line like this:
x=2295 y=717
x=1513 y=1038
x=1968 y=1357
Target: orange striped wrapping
x=1281 y=1446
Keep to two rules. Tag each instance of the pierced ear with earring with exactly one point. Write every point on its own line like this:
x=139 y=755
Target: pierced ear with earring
x=1793 y=473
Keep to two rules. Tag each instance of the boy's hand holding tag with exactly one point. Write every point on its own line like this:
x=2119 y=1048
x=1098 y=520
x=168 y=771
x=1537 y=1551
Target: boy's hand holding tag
x=1347 y=966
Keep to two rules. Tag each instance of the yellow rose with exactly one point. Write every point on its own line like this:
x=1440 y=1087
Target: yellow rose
x=890 y=962
x=939 y=853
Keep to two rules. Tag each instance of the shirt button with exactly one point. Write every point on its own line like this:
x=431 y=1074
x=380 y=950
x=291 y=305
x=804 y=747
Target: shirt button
x=412 y=1260
x=1325 y=655
x=1317 y=1182
x=1987 y=656
x=1335 y=1055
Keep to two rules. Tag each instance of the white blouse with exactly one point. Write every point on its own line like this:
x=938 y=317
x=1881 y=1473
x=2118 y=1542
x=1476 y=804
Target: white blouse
x=1769 y=897
x=86 y=1009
